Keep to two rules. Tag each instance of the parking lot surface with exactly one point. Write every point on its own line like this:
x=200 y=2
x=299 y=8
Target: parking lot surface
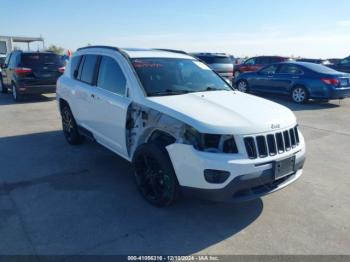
x=59 y=199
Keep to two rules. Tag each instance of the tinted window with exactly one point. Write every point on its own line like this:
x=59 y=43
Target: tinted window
x=216 y=59
x=171 y=76
x=74 y=64
x=272 y=60
x=111 y=77
x=33 y=60
x=269 y=70
x=345 y=61
x=262 y=60
x=3 y=48
x=250 y=61
x=12 y=62
x=7 y=60
x=88 y=69
x=291 y=69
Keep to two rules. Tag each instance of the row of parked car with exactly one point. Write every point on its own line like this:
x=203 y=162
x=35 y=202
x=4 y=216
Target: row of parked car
x=301 y=79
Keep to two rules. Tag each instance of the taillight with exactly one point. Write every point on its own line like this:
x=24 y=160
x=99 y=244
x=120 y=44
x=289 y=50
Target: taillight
x=61 y=69
x=330 y=81
x=23 y=70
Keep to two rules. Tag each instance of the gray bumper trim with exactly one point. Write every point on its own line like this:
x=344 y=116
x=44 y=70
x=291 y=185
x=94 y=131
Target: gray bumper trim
x=246 y=187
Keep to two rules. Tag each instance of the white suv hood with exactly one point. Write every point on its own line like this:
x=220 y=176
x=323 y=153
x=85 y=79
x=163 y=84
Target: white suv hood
x=225 y=112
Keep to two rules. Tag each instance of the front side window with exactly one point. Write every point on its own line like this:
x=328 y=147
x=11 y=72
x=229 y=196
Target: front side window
x=88 y=69
x=111 y=77
x=270 y=70
x=250 y=61
x=291 y=69
x=171 y=76
x=74 y=64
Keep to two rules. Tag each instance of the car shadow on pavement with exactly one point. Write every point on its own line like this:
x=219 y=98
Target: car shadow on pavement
x=310 y=105
x=82 y=200
x=6 y=99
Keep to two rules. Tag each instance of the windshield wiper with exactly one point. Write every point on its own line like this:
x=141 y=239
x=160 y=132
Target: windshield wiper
x=210 y=88
x=169 y=92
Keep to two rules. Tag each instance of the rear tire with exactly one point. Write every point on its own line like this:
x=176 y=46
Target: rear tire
x=16 y=97
x=242 y=85
x=154 y=175
x=70 y=128
x=299 y=95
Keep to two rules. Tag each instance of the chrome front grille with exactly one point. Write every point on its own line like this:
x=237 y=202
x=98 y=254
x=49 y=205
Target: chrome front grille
x=271 y=144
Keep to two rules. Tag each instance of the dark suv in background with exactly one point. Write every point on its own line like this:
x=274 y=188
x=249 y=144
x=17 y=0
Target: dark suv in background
x=255 y=63
x=342 y=66
x=31 y=73
x=219 y=62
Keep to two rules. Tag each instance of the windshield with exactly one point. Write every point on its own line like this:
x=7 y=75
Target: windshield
x=171 y=76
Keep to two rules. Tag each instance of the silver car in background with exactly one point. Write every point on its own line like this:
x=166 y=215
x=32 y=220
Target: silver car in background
x=219 y=62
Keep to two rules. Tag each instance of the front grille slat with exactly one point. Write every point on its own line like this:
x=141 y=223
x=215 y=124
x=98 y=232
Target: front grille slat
x=286 y=140
x=280 y=143
x=262 y=148
x=292 y=137
x=272 y=144
x=296 y=134
x=250 y=147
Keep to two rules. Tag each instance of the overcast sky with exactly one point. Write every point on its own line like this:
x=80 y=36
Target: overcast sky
x=308 y=28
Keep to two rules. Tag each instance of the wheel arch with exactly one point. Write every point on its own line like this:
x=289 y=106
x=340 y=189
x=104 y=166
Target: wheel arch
x=62 y=102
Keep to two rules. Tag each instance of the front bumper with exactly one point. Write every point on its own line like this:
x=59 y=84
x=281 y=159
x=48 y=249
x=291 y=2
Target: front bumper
x=249 y=179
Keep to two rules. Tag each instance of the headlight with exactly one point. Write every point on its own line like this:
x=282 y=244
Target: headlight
x=209 y=142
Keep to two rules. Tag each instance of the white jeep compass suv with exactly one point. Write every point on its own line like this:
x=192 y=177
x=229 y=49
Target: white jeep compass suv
x=180 y=124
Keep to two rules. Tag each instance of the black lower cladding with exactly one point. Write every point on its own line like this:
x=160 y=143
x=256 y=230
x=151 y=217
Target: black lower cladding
x=245 y=187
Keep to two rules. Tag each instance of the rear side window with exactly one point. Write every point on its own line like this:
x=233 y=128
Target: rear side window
x=33 y=60
x=263 y=61
x=74 y=66
x=88 y=69
x=270 y=70
x=111 y=77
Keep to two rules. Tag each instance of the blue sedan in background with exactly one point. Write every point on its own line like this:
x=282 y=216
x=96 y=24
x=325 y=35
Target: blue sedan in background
x=300 y=80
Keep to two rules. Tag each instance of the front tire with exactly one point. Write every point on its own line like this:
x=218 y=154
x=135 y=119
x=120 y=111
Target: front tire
x=154 y=175
x=242 y=85
x=299 y=95
x=70 y=128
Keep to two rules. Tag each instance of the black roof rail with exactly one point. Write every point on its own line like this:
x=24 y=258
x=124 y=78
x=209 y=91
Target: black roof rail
x=99 y=46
